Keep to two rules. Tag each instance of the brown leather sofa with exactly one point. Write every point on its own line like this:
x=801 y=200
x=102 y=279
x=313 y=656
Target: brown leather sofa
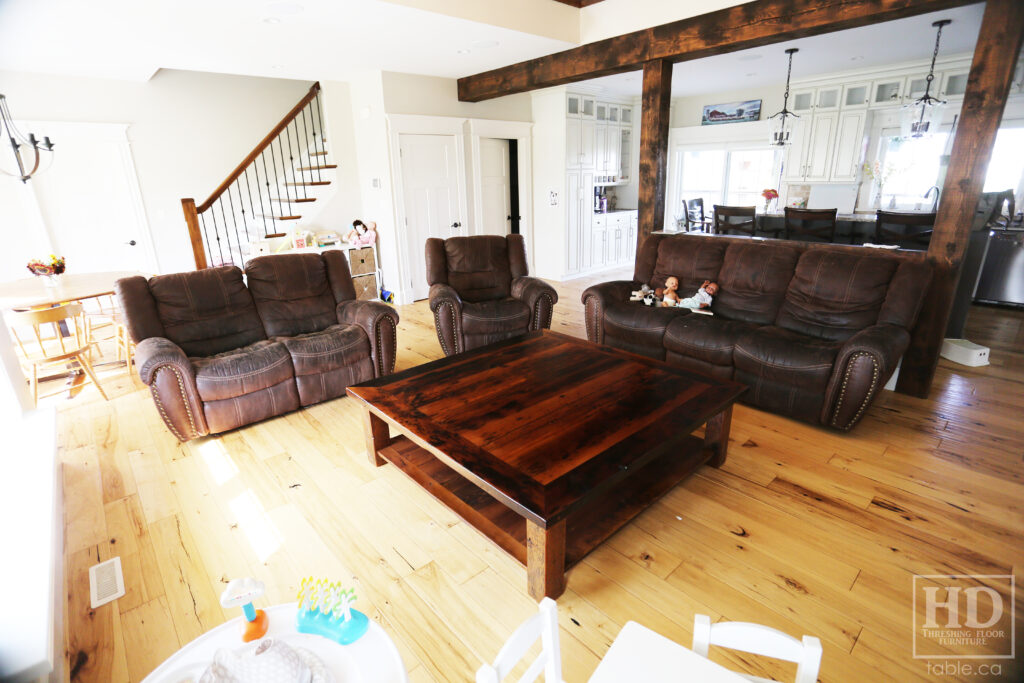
x=814 y=331
x=218 y=354
x=480 y=291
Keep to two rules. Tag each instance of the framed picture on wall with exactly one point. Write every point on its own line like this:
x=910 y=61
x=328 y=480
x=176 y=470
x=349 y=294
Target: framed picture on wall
x=733 y=112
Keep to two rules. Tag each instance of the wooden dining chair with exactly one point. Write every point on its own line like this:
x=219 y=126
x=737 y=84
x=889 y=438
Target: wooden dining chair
x=759 y=640
x=543 y=625
x=735 y=220
x=67 y=345
x=695 y=218
x=810 y=225
x=908 y=230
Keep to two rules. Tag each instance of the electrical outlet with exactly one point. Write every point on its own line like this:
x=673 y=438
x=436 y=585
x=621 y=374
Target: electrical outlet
x=553 y=197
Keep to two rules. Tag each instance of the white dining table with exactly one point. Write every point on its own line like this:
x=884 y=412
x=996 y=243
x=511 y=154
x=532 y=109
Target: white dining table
x=640 y=654
x=371 y=659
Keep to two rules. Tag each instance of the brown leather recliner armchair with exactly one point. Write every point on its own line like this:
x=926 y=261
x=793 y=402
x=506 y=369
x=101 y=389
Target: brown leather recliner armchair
x=217 y=354
x=480 y=291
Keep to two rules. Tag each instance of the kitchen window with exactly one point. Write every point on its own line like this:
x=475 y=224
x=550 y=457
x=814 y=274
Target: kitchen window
x=913 y=165
x=735 y=177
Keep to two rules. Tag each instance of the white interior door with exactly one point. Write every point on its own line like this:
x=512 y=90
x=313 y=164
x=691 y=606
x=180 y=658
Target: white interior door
x=432 y=198
x=90 y=202
x=495 y=187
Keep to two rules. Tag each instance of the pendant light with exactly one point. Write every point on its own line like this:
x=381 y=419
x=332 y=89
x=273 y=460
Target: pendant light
x=784 y=121
x=27 y=150
x=923 y=116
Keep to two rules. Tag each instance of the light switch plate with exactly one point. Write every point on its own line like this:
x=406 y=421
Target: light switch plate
x=553 y=198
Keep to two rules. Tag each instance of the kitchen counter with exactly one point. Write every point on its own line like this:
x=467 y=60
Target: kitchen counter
x=611 y=211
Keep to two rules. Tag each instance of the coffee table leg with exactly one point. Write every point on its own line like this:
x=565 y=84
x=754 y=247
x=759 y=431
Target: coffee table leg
x=716 y=436
x=545 y=560
x=377 y=437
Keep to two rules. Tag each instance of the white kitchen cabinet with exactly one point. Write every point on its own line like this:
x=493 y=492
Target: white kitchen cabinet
x=613 y=140
x=794 y=165
x=916 y=84
x=625 y=153
x=634 y=227
x=856 y=95
x=613 y=113
x=954 y=85
x=849 y=145
x=827 y=98
x=820 y=146
x=599 y=247
x=579 y=213
x=887 y=91
x=573 y=138
x=626 y=116
x=803 y=101
x=572 y=106
x=587 y=143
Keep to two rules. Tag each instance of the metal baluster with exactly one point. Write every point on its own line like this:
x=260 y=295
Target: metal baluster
x=305 y=136
x=233 y=215
x=284 y=168
x=291 y=160
x=270 y=200
x=320 y=121
x=277 y=181
x=216 y=233
x=248 y=189
x=206 y=236
x=227 y=235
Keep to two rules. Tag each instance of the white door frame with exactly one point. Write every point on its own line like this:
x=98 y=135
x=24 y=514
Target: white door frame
x=414 y=124
x=520 y=131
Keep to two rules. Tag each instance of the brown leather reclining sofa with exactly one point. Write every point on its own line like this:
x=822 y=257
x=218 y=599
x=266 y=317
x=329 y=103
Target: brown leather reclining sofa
x=815 y=332
x=218 y=354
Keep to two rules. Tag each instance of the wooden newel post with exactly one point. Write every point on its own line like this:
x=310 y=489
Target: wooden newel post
x=195 y=236
x=657 y=96
x=988 y=85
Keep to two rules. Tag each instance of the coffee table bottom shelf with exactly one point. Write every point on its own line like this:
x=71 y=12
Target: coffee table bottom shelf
x=586 y=528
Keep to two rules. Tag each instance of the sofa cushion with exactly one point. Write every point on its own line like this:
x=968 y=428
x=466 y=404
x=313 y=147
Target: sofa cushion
x=689 y=258
x=242 y=371
x=708 y=338
x=785 y=357
x=498 y=316
x=329 y=361
x=478 y=267
x=634 y=327
x=206 y=311
x=753 y=280
x=835 y=294
x=292 y=293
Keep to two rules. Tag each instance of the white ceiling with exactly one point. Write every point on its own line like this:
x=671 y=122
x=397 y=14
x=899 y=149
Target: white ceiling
x=897 y=41
x=302 y=39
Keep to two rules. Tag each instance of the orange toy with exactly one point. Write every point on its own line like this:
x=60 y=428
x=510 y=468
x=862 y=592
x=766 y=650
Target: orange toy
x=241 y=593
x=257 y=628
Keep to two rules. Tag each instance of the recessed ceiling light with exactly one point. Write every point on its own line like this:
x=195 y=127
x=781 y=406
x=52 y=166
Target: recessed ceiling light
x=485 y=44
x=463 y=51
x=271 y=20
x=857 y=58
x=752 y=73
x=750 y=57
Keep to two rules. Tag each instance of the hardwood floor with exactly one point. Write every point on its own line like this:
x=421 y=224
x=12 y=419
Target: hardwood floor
x=805 y=530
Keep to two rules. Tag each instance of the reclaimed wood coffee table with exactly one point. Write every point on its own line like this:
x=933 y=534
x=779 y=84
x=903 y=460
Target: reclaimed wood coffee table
x=547 y=444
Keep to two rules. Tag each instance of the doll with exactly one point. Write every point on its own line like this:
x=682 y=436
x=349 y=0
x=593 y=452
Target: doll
x=670 y=297
x=702 y=298
x=362 y=234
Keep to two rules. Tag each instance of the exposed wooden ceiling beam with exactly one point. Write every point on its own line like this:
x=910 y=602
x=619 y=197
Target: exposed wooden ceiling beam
x=753 y=24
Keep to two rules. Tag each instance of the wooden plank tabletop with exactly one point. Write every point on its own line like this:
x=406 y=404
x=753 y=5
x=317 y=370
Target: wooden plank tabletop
x=549 y=415
x=33 y=291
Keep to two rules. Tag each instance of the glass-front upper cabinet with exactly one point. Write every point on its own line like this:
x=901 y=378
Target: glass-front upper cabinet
x=587 y=107
x=626 y=153
x=626 y=116
x=915 y=86
x=887 y=91
x=954 y=84
x=613 y=113
x=827 y=98
x=572 y=106
x=803 y=100
x=601 y=110
x=856 y=95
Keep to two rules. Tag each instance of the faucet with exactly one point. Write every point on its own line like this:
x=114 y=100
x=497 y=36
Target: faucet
x=935 y=201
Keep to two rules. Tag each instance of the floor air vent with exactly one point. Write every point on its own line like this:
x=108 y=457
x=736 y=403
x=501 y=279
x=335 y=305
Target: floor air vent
x=106 y=582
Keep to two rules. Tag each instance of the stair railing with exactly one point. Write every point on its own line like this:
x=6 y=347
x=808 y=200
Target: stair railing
x=263 y=191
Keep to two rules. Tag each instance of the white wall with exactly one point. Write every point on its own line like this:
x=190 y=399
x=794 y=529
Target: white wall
x=687 y=111
x=549 y=176
x=615 y=17
x=433 y=96
x=187 y=130
x=341 y=202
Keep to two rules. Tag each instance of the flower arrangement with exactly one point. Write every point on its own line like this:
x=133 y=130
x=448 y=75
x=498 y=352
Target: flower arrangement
x=880 y=174
x=769 y=194
x=55 y=266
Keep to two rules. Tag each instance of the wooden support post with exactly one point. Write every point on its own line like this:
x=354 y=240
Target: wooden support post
x=716 y=437
x=545 y=560
x=195 y=235
x=378 y=436
x=988 y=85
x=657 y=96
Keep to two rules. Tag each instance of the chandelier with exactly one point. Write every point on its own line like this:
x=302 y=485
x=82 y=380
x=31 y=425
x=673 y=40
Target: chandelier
x=784 y=121
x=923 y=116
x=27 y=150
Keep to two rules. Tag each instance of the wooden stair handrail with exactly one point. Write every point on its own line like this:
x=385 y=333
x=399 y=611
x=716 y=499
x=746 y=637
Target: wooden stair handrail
x=264 y=143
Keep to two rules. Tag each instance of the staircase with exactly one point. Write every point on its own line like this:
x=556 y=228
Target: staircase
x=266 y=193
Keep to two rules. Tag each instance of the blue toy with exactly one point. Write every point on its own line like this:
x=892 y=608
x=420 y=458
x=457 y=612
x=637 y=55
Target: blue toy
x=325 y=609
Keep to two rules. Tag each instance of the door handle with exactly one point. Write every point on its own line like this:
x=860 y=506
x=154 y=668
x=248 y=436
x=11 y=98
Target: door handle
x=508 y=218
x=456 y=224
x=130 y=243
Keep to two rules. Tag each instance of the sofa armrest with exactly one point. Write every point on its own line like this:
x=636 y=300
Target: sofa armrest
x=539 y=296
x=446 y=304
x=597 y=298
x=171 y=379
x=380 y=322
x=863 y=366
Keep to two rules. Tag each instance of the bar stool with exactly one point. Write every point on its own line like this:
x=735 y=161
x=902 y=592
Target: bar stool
x=735 y=220
x=913 y=230
x=810 y=225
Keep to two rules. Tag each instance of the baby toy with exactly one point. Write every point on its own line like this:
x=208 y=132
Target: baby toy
x=362 y=234
x=241 y=592
x=325 y=609
x=670 y=297
x=702 y=298
x=639 y=294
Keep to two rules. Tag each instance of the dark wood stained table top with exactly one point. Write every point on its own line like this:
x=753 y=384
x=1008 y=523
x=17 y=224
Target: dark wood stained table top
x=546 y=421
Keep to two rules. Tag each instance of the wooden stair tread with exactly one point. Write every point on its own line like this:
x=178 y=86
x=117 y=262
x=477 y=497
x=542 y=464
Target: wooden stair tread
x=310 y=183
x=282 y=218
x=298 y=200
x=323 y=167
x=318 y=154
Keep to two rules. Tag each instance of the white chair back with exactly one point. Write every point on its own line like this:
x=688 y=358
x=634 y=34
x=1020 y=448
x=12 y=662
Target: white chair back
x=543 y=625
x=759 y=640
